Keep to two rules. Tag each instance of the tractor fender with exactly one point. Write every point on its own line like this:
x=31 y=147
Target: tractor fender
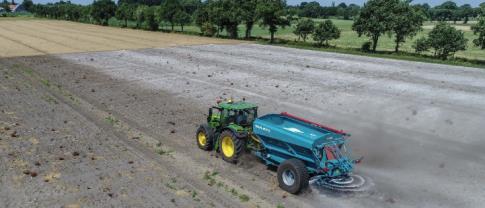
x=237 y=134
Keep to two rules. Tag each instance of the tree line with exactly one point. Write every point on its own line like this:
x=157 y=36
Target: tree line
x=447 y=11
x=397 y=18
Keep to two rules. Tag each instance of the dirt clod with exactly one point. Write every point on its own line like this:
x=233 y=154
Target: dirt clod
x=130 y=162
x=172 y=131
x=33 y=174
x=61 y=158
x=390 y=200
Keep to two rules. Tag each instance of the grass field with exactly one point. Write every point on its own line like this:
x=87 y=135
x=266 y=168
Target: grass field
x=350 y=39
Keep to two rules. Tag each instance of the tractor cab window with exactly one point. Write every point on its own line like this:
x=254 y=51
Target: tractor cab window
x=245 y=117
x=214 y=115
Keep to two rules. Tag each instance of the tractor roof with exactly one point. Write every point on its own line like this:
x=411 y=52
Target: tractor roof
x=236 y=105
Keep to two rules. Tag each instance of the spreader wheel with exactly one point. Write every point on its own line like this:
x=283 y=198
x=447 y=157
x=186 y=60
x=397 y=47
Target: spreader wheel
x=230 y=146
x=204 y=137
x=293 y=176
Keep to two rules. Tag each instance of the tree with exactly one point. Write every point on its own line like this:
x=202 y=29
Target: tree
x=326 y=31
x=447 y=11
x=124 y=13
x=481 y=10
x=139 y=16
x=311 y=9
x=226 y=14
x=465 y=12
x=375 y=19
x=407 y=22
x=182 y=18
x=102 y=11
x=149 y=15
x=304 y=27
x=28 y=4
x=272 y=14
x=168 y=10
x=479 y=29
x=248 y=10
x=141 y=2
x=446 y=40
x=5 y=6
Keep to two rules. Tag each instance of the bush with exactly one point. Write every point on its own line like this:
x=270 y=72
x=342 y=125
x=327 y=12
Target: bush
x=208 y=29
x=479 y=29
x=326 y=31
x=421 y=45
x=304 y=27
x=446 y=40
x=366 y=47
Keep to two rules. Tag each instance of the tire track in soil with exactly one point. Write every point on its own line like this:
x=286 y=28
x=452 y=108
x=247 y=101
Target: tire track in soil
x=148 y=40
x=137 y=149
x=136 y=44
x=23 y=44
x=77 y=38
x=42 y=38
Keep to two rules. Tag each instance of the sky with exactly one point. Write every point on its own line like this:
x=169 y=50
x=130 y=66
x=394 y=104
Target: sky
x=474 y=3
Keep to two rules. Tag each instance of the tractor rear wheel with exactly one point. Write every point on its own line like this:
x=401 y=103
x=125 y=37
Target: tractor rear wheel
x=293 y=176
x=204 y=137
x=230 y=146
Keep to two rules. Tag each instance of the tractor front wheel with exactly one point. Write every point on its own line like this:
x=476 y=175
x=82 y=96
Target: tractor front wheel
x=293 y=176
x=230 y=146
x=204 y=137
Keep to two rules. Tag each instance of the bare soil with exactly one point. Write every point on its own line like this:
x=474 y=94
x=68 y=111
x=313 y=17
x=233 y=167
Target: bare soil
x=419 y=127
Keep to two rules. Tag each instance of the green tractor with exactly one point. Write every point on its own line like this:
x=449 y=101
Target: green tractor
x=228 y=126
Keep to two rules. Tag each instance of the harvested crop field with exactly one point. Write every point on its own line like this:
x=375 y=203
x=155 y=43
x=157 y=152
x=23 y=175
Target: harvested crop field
x=117 y=128
x=40 y=37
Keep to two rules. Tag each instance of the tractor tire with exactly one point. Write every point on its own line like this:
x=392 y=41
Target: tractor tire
x=204 y=137
x=230 y=146
x=293 y=176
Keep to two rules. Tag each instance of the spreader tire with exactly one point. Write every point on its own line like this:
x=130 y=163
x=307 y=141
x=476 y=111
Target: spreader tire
x=230 y=146
x=204 y=137
x=293 y=176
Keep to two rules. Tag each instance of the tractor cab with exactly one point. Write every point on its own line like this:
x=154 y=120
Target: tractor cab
x=228 y=113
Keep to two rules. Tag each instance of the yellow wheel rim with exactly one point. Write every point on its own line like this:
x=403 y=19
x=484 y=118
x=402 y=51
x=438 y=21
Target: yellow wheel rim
x=202 y=138
x=227 y=146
